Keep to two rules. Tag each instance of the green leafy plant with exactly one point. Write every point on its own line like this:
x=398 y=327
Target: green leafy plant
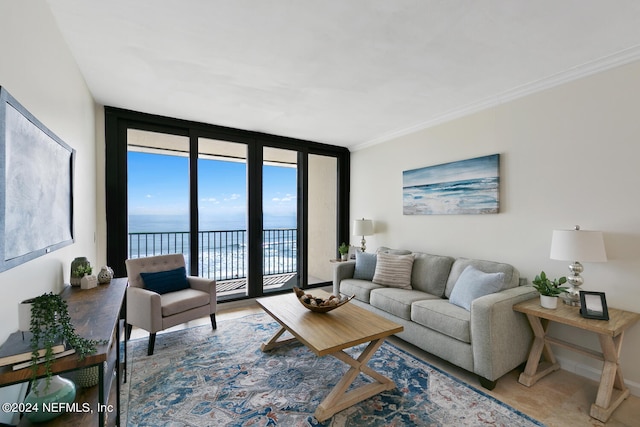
x=82 y=270
x=50 y=322
x=548 y=287
x=343 y=249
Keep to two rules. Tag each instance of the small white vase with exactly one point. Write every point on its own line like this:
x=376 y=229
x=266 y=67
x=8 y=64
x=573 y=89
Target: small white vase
x=548 y=302
x=24 y=315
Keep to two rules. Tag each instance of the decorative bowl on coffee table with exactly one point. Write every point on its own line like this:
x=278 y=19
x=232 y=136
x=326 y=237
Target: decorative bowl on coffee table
x=319 y=305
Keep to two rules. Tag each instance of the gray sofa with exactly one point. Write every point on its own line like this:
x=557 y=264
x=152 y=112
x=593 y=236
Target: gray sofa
x=488 y=338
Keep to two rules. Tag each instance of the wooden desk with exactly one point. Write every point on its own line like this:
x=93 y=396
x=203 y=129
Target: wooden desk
x=95 y=314
x=611 y=391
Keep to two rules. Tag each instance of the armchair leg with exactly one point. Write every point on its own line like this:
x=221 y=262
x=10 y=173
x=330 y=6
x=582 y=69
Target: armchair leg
x=152 y=343
x=214 y=325
x=128 y=332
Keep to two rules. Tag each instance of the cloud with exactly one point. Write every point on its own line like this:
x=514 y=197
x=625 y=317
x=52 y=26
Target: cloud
x=285 y=199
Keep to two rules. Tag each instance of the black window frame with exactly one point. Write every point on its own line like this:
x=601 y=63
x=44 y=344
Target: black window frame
x=118 y=121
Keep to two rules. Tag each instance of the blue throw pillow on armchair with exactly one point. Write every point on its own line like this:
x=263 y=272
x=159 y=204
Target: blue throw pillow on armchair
x=163 y=282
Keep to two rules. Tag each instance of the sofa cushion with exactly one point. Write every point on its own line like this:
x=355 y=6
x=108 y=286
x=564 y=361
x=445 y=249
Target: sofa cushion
x=473 y=284
x=444 y=317
x=180 y=301
x=360 y=288
x=384 y=249
x=166 y=281
x=365 y=266
x=397 y=301
x=393 y=270
x=511 y=275
x=430 y=273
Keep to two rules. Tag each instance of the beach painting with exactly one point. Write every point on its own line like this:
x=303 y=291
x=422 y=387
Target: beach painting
x=465 y=187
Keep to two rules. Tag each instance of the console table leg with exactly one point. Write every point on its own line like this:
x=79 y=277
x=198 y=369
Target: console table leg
x=539 y=349
x=611 y=391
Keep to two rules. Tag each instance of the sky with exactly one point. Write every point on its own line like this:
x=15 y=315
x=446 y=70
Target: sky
x=159 y=185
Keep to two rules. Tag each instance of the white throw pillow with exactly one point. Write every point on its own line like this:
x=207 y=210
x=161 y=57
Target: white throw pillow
x=473 y=284
x=393 y=270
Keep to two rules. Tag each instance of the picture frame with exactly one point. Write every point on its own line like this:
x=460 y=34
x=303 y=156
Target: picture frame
x=352 y=251
x=464 y=187
x=593 y=305
x=36 y=186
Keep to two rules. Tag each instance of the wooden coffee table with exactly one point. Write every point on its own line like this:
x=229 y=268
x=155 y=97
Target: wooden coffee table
x=329 y=334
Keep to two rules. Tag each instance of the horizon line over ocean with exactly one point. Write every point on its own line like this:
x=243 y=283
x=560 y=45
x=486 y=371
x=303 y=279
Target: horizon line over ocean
x=155 y=223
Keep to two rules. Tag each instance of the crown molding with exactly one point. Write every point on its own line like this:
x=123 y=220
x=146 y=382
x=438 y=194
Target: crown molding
x=614 y=60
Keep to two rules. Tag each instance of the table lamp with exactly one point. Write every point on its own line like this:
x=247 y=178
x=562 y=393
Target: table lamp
x=363 y=227
x=574 y=245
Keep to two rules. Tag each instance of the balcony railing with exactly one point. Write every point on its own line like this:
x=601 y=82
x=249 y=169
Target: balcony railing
x=222 y=255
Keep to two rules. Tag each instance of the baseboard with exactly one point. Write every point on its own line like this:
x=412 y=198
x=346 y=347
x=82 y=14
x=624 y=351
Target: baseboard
x=593 y=373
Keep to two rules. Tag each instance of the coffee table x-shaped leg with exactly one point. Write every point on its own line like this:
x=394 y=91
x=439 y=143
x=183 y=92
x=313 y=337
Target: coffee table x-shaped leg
x=339 y=398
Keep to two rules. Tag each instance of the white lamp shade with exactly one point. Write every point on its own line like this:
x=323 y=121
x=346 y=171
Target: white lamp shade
x=578 y=245
x=362 y=227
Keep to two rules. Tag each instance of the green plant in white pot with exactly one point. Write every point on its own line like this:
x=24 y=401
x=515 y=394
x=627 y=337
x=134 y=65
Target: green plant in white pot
x=549 y=289
x=344 y=251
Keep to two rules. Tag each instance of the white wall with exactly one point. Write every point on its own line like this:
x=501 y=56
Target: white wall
x=569 y=155
x=37 y=69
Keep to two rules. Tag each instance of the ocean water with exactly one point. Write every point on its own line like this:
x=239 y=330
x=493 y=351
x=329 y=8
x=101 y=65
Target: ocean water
x=469 y=196
x=223 y=243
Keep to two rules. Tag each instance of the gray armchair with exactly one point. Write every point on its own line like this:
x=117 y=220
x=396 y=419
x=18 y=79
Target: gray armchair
x=161 y=295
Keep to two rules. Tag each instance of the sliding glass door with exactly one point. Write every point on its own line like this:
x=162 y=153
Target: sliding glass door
x=322 y=235
x=257 y=213
x=223 y=215
x=157 y=194
x=279 y=219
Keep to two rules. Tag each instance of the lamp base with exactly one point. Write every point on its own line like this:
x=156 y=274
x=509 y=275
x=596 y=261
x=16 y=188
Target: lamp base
x=568 y=300
x=572 y=296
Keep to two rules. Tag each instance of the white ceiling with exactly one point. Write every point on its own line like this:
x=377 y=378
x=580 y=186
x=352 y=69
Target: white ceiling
x=345 y=72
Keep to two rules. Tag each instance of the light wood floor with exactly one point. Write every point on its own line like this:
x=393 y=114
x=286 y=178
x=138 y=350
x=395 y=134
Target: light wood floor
x=562 y=399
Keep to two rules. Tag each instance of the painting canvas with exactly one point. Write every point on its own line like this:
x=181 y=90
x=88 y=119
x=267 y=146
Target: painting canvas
x=464 y=187
x=36 y=172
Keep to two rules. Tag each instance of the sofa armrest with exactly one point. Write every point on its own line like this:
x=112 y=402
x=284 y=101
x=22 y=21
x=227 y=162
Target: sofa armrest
x=144 y=309
x=205 y=285
x=342 y=270
x=500 y=337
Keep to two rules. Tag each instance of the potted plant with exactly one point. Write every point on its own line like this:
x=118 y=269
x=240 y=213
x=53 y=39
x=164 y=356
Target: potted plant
x=549 y=289
x=79 y=268
x=344 y=251
x=51 y=323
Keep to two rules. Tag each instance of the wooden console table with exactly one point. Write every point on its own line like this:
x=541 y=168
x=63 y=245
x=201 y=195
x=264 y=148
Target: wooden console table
x=95 y=314
x=612 y=390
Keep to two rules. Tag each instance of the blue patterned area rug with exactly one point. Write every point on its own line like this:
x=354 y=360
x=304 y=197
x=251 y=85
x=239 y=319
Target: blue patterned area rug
x=200 y=377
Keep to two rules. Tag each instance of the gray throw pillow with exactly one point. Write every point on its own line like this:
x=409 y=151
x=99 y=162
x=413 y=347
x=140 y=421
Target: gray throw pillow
x=393 y=270
x=365 y=266
x=473 y=284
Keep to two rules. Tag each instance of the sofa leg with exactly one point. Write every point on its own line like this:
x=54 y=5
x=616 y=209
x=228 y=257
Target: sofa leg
x=152 y=343
x=128 y=332
x=488 y=384
x=214 y=325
